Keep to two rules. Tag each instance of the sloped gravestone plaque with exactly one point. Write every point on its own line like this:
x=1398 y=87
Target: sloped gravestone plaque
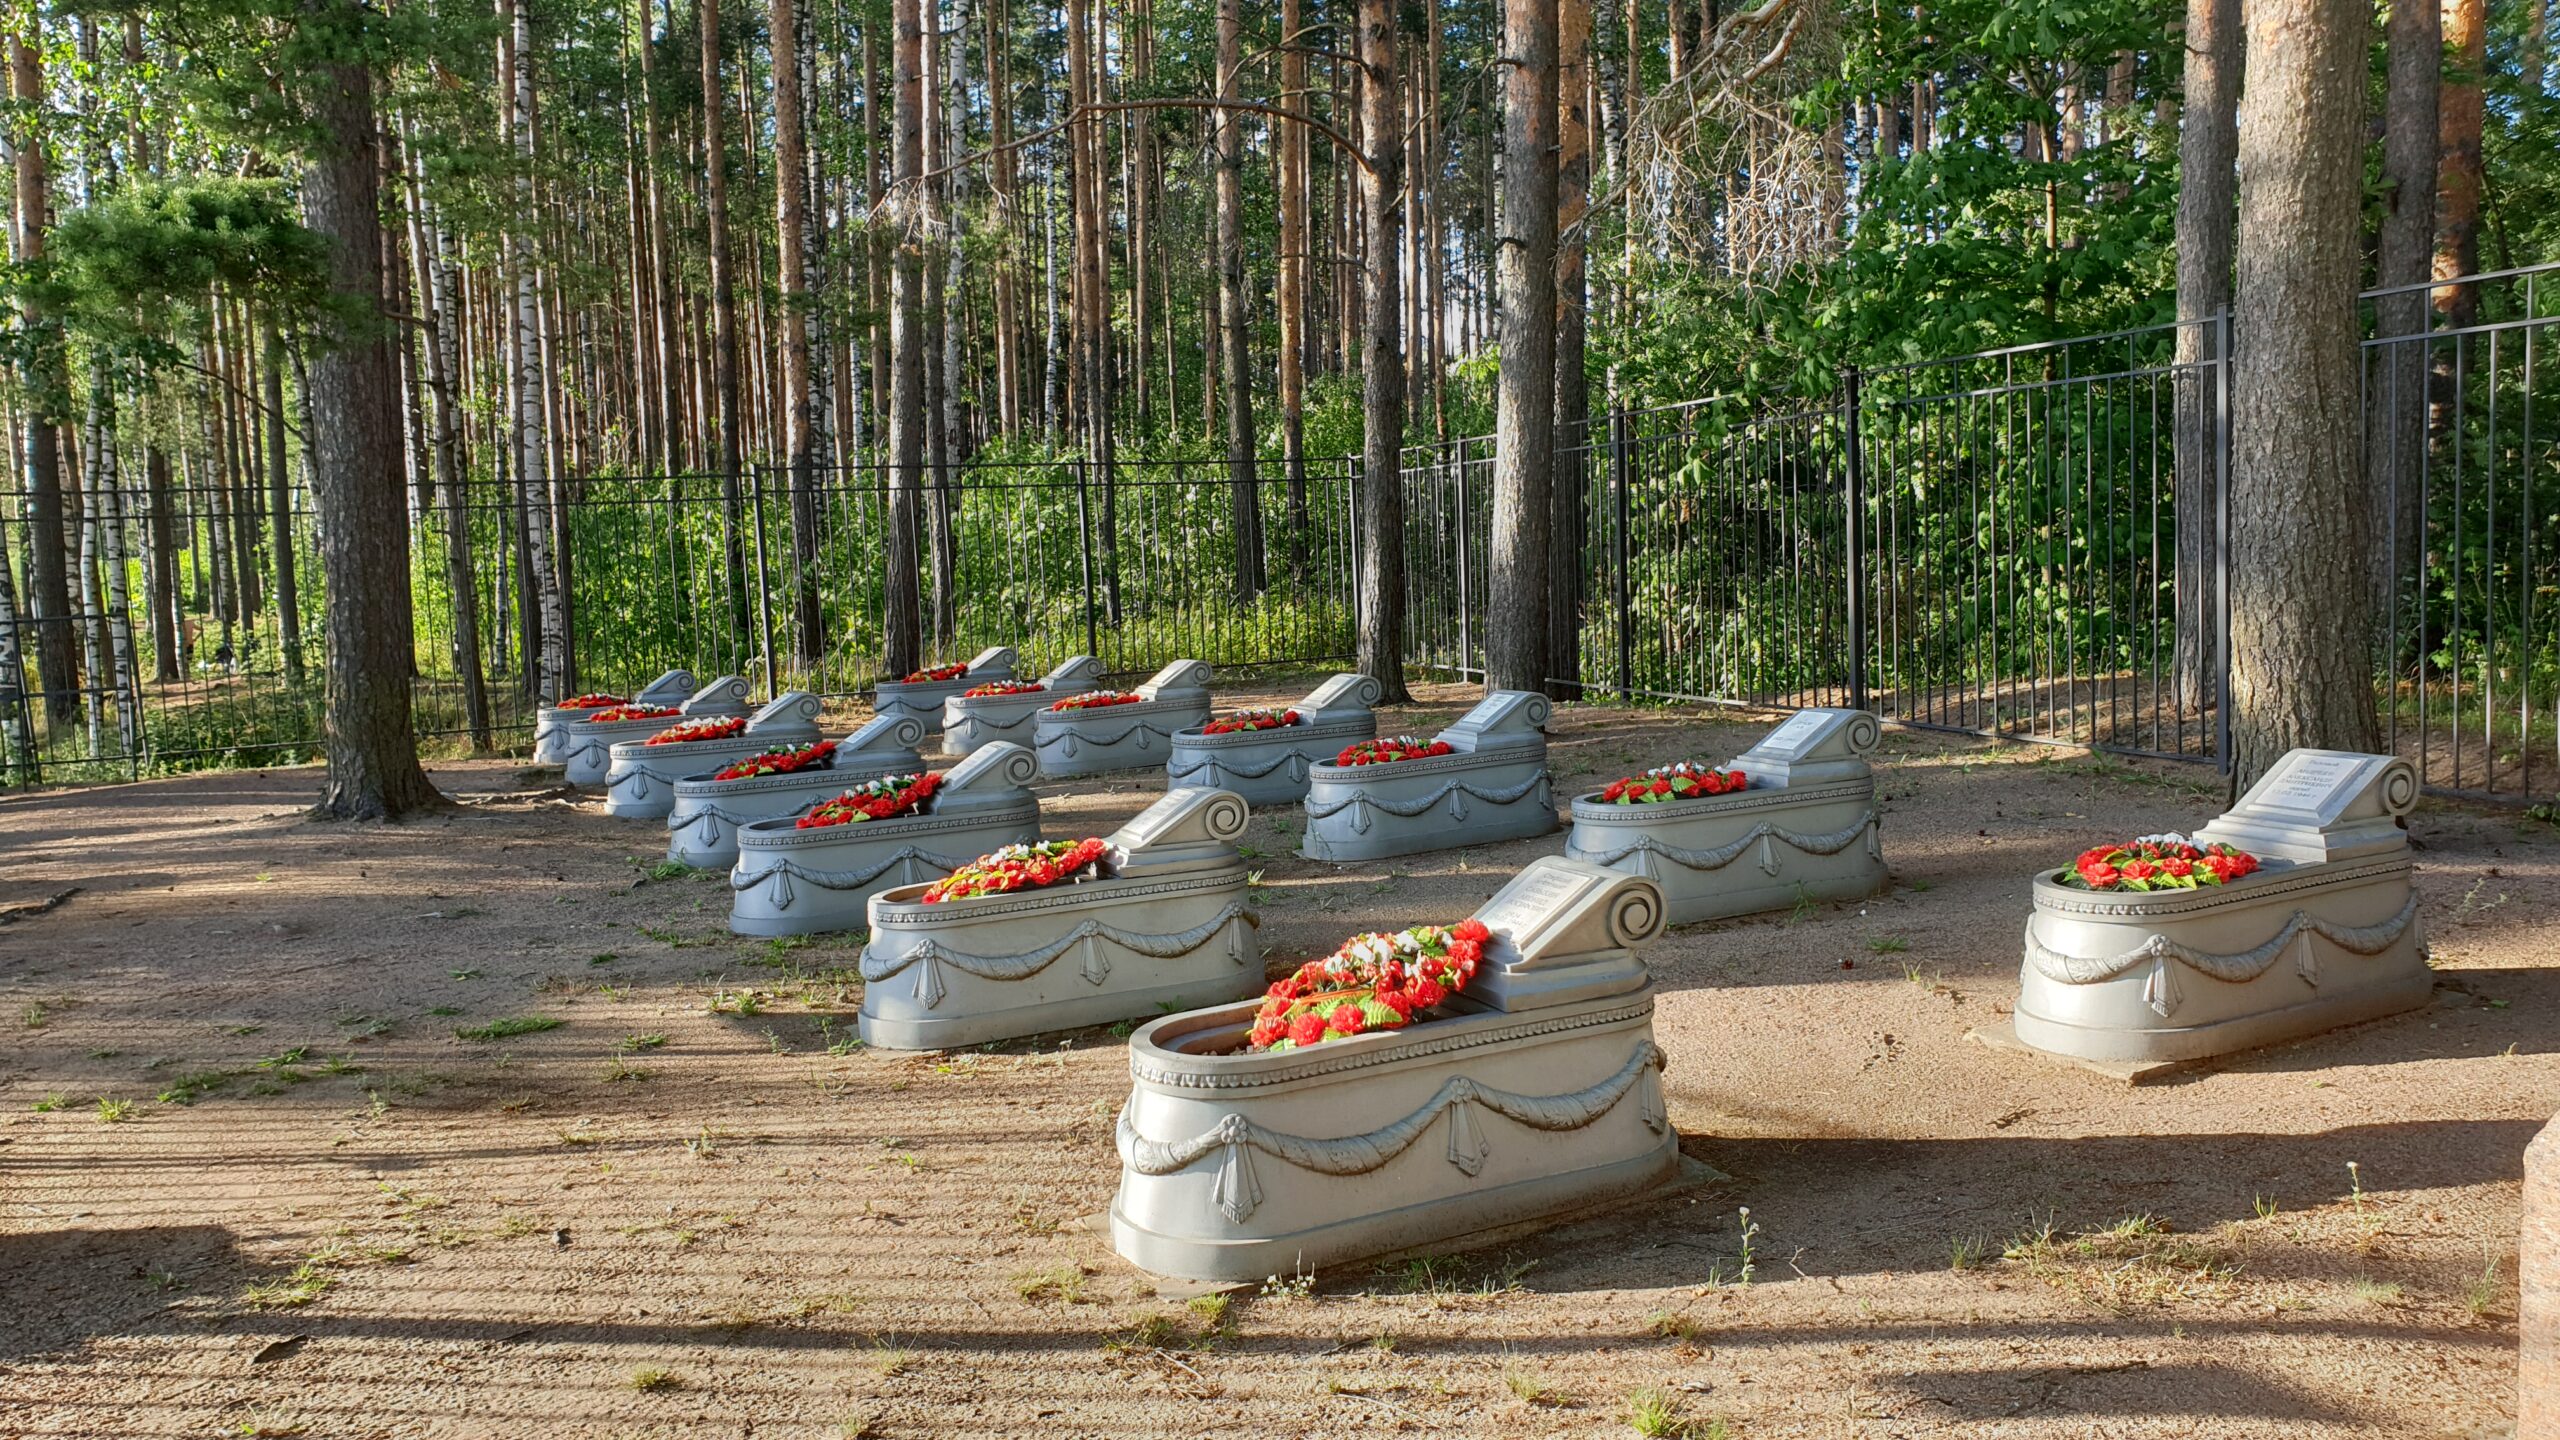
x=795 y=879
x=702 y=829
x=1137 y=733
x=921 y=695
x=1490 y=785
x=1163 y=922
x=2322 y=932
x=551 y=722
x=1265 y=756
x=1007 y=710
x=640 y=784
x=587 y=755
x=1533 y=1092
x=1804 y=825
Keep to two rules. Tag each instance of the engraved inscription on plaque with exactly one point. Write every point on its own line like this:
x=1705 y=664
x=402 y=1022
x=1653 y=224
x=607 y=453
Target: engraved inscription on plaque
x=1532 y=899
x=1799 y=731
x=2314 y=785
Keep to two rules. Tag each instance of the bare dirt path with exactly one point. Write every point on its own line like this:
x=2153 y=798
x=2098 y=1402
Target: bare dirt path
x=254 y=1178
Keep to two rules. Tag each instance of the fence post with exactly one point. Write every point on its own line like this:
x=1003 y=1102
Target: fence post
x=2222 y=537
x=1621 y=461
x=1084 y=533
x=1466 y=577
x=1855 y=493
x=764 y=580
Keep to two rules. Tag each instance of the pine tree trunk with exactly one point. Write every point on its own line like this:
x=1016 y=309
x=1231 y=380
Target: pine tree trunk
x=724 y=341
x=15 y=731
x=2301 y=631
x=46 y=385
x=548 y=672
x=791 y=227
x=356 y=482
x=1573 y=381
x=437 y=284
x=280 y=510
x=903 y=628
x=1244 y=491
x=1516 y=636
x=167 y=611
x=2395 y=399
x=2460 y=116
x=2208 y=142
x=1382 y=537
x=1292 y=143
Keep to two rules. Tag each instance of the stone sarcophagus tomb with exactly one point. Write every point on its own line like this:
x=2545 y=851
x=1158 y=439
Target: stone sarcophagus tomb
x=1267 y=763
x=1804 y=825
x=921 y=694
x=551 y=722
x=702 y=829
x=587 y=754
x=1007 y=710
x=1481 y=780
x=806 y=879
x=2131 y=964
x=1161 y=921
x=1101 y=732
x=1535 y=1091
x=640 y=783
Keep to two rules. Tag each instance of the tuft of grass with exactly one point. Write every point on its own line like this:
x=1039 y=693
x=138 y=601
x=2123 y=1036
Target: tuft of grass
x=1888 y=945
x=2481 y=1295
x=889 y=1357
x=1063 y=1282
x=32 y=1015
x=1655 y=1413
x=1665 y=1325
x=633 y=1044
x=509 y=1027
x=651 y=1378
x=305 y=1283
x=1964 y=1252
x=2375 y=1292
x=1527 y=1388
x=2264 y=1205
x=49 y=1104
x=618 y=1070
x=668 y=870
x=115 y=1112
x=1213 y=1310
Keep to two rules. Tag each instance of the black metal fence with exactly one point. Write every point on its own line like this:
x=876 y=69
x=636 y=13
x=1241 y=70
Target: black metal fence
x=2023 y=542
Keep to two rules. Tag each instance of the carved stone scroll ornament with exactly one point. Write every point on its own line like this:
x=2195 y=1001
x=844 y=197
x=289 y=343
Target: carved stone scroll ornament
x=1025 y=964
x=1239 y=1193
x=1716 y=857
x=2235 y=968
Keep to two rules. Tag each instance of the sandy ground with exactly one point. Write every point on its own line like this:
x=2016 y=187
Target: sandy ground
x=692 y=1209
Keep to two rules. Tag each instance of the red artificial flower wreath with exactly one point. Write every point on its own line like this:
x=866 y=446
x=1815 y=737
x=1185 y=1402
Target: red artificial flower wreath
x=1250 y=720
x=936 y=674
x=782 y=762
x=1391 y=749
x=1002 y=687
x=886 y=798
x=1096 y=699
x=1679 y=780
x=1020 y=867
x=598 y=701
x=632 y=712
x=725 y=728
x=2157 y=862
x=1374 y=982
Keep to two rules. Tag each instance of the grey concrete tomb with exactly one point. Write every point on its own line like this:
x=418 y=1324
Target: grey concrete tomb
x=1806 y=826
x=1124 y=737
x=2324 y=934
x=1165 y=926
x=640 y=783
x=971 y=721
x=587 y=754
x=551 y=722
x=1269 y=767
x=1536 y=1092
x=702 y=829
x=790 y=881
x=1494 y=787
x=923 y=698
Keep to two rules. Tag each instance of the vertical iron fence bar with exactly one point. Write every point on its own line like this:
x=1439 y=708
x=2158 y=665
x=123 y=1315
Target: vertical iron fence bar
x=1084 y=530
x=1853 y=492
x=2222 y=538
x=764 y=579
x=1618 y=463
